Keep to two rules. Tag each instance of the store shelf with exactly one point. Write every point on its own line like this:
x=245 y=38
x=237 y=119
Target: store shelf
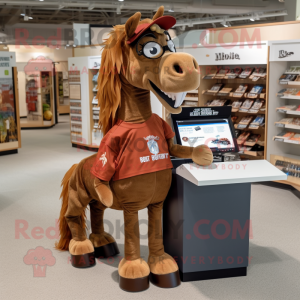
x=191 y=99
x=291 y=83
x=286 y=141
x=290 y=97
x=288 y=112
x=287 y=126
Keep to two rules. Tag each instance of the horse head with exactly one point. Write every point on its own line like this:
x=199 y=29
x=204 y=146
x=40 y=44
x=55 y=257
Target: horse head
x=143 y=54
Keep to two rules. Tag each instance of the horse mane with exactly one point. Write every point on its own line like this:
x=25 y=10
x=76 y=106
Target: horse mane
x=109 y=83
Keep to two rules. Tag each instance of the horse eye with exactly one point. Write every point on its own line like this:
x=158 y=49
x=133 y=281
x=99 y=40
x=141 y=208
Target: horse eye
x=152 y=50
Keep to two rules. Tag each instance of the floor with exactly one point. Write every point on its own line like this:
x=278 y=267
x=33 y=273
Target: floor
x=29 y=206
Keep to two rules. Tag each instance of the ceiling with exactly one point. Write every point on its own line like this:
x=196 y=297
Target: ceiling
x=198 y=14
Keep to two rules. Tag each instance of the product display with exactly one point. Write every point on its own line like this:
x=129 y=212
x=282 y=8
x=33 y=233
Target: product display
x=235 y=86
x=284 y=109
x=99 y=180
x=62 y=92
x=10 y=139
x=39 y=94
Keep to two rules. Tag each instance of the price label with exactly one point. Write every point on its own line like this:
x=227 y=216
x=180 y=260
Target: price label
x=280 y=125
x=279 y=140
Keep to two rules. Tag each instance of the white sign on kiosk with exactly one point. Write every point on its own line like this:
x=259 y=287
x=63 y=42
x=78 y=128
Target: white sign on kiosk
x=230 y=172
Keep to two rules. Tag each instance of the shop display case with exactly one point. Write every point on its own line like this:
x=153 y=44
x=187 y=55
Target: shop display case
x=284 y=109
x=62 y=92
x=84 y=110
x=10 y=138
x=237 y=76
x=39 y=94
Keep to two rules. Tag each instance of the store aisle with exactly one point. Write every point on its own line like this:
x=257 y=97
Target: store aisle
x=29 y=199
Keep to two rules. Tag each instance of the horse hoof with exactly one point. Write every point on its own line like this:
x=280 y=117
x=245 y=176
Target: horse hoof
x=83 y=260
x=170 y=280
x=135 y=284
x=107 y=250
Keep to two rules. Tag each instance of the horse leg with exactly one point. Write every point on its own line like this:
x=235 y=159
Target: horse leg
x=80 y=247
x=133 y=270
x=163 y=268
x=104 y=244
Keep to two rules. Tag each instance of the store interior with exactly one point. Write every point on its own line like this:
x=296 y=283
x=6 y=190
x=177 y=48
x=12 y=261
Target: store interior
x=248 y=61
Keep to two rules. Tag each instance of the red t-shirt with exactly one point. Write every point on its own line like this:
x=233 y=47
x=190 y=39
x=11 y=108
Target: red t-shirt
x=130 y=149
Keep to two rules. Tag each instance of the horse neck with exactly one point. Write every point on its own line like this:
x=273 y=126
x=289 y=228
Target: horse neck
x=135 y=103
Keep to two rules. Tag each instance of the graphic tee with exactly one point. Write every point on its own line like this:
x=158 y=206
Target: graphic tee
x=130 y=149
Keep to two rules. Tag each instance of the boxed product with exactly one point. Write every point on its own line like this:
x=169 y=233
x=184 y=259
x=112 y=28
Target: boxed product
x=243 y=137
x=222 y=73
x=296 y=138
x=286 y=107
x=246 y=105
x=234 y=119
x=296 y=121
x=281 y=92
x=246 y=73
x=258 y=73
x=215 y=88
x=257 y=89
x=290 y=92
x=218 y=103
x=210 y=75
x=239 y=92
x=258 y=104
x=246 y=120
x=285 y=121
x=225 y=91
x=252 y=140
x=242 y=88
x=236 y=105
x=258 y=121
x=233 y=73
x=284 y=135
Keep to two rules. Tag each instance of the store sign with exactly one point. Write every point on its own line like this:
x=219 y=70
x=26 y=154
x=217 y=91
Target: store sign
x=4 y=61
x=283 y=53
x=224 y=56
x=203 y=111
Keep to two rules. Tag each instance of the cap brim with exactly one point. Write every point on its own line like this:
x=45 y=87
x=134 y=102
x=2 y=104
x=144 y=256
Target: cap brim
x=165 y=22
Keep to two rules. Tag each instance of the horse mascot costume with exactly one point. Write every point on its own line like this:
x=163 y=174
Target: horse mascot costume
x=132 y=169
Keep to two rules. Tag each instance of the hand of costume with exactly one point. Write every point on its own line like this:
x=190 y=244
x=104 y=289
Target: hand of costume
x=104 y=192
x=202 y=155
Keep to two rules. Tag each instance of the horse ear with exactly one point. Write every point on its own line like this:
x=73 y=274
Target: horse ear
x=159 y=13
x=132 y=24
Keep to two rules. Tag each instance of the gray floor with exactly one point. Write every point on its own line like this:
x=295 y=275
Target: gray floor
x=29 y=191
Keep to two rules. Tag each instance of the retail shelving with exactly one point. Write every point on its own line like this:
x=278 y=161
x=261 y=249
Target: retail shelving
x=211 y=60
x=62 y=92
x=283 y=126
x=84 y=110
x=10 y=137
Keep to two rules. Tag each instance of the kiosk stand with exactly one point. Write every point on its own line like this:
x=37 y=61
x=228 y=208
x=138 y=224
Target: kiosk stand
x=206 y=216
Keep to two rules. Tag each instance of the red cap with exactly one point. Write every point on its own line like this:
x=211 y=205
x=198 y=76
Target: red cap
x=164 y=22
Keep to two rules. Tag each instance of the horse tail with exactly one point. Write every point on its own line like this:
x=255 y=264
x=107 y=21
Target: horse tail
x=65 y=232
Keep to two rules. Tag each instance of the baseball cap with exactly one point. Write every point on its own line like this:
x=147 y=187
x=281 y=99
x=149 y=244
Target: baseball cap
x=164 y=22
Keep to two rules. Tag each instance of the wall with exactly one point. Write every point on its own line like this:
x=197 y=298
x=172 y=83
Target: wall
x=87 y=51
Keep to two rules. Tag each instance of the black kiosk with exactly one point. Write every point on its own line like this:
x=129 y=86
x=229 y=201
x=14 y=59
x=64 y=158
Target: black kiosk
x=206 y=215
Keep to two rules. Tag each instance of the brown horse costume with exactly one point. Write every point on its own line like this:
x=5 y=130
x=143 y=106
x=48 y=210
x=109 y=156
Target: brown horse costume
x=138 y=57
